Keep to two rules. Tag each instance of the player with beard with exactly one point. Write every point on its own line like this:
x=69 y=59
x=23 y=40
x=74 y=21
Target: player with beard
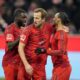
x=58 y=52
x=11 y=58
x=33 y=41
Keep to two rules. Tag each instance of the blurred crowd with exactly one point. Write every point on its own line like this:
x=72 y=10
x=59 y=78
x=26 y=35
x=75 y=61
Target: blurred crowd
x=71 y=7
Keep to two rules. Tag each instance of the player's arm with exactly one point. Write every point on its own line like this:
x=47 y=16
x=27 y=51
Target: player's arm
x=61 y=47
x=11 y=42
x=28 y=67
x=23 y=41
x=11 y=45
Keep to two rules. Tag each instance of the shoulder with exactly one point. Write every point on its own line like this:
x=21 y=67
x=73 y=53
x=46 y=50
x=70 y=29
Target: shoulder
x=47 y=24
x=61 y=34
x=48 y=27
x=11 y=26
x=27 y=29
x=66 y=29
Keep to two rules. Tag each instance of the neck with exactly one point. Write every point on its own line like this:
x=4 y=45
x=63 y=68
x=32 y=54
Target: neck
x=40 y=26
x=17 y=24
x=60 y=26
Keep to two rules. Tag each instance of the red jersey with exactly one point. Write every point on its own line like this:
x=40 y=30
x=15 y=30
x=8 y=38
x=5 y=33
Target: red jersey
x=12 y=33
x=46 y=32
x=33 y=37
x=59 y=44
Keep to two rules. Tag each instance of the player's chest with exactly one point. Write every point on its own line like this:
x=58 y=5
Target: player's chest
x=54 y=41
x=44 y=32
x=17 y=33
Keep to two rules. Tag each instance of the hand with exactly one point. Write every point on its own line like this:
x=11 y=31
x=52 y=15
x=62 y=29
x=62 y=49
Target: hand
x=29 y=69
x=49 y=51
x=40 y=51
x=66 y=29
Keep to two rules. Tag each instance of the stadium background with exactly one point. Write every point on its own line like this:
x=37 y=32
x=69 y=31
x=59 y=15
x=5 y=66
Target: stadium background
x=71 y=7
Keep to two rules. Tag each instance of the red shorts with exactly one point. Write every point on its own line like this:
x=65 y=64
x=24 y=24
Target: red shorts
x=10 y=71
x=39 y=72
x=22 y=75
x=61 y=73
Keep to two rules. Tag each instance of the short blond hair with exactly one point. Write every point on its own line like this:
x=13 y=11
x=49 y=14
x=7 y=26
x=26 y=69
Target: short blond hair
x=43 y=12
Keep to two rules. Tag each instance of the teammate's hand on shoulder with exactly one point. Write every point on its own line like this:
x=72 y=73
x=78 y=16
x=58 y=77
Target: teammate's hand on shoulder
x=66 y=29
x=40 y=51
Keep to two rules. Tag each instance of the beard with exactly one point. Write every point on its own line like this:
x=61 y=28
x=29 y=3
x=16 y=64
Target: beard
x=38 y=25
x=20 y=24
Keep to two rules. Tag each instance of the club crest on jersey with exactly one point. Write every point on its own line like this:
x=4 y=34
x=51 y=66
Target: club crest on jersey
x=22 y=37
x=46 y=32
x=9 y=37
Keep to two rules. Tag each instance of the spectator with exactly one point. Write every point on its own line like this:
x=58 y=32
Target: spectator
x=71 y=7
x=21 y=4
x=3 y=25
x=32 y=6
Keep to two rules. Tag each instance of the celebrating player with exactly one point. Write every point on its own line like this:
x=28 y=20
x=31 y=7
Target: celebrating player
x=35 y=39
x=59 y=41
x=12 y=34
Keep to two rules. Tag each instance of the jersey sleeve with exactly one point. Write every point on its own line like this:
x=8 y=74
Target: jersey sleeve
x=25 y=36
x=9 y=35
x=61 y=41
x=61 y=44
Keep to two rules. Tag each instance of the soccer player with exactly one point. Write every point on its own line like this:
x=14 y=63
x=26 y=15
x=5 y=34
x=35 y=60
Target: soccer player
x=11 y=58
x=59 y=41
x=35 y=37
